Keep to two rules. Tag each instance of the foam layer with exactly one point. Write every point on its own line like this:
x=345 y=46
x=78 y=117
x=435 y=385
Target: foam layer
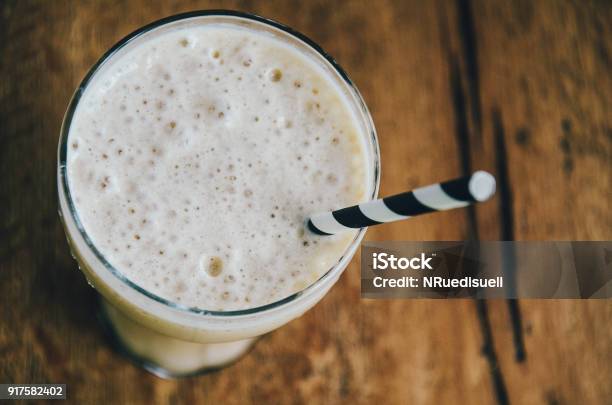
x=195 y=157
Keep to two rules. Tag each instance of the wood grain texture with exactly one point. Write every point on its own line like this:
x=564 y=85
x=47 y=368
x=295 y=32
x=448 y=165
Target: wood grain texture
x=552 y=105
x=522 y=89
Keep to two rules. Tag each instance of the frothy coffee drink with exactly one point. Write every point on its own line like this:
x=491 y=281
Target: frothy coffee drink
x=195 y=158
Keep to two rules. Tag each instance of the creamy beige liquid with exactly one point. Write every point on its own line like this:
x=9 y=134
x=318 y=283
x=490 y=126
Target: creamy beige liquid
x=195 y=158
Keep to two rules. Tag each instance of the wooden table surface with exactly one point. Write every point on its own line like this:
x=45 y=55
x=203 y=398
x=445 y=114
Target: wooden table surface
x=521 y=88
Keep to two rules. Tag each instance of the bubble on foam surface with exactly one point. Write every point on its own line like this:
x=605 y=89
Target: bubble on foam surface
x=194 y=160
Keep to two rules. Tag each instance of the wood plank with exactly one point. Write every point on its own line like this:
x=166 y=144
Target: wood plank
x=343 y=350
x=545 y=88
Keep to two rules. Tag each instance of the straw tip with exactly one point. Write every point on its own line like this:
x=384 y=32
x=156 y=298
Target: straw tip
x=482 y=185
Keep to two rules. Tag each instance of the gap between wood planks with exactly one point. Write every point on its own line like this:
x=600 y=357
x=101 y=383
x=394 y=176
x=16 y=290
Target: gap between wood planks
x=465 y=97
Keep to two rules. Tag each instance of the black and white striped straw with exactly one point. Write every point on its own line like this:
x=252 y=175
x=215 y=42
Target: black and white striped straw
x=457 y=193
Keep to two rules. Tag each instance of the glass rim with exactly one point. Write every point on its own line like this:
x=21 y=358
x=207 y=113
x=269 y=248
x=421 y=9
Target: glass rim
x=74 y=102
